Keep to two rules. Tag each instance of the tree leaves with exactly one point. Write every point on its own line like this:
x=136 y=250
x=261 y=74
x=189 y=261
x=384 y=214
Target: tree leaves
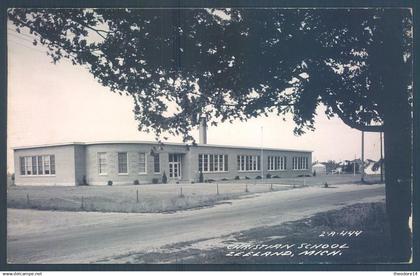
x=226 y=64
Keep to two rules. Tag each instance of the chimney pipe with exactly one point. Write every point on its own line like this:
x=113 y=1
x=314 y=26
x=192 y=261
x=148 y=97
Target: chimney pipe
x=202 y=130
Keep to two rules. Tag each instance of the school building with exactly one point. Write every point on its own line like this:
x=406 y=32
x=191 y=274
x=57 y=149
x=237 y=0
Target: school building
x=96 y=163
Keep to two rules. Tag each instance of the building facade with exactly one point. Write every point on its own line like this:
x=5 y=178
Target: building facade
x=125 y=162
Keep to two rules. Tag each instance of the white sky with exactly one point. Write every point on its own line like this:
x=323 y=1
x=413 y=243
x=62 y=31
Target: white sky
x=50 y=103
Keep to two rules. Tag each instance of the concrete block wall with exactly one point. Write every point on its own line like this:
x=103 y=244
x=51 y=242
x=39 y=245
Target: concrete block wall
x=92 y=170
x=64 y=166
x=233 y=165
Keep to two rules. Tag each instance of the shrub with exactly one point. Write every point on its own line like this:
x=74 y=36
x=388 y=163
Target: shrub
x=209 y=180
x=155 y=180
x=246 y=177
x=164 y=178
x=237 y=177
x=136 y=182
x=224 y=179
x=109 y=182
x=268 y=176
x=275 y=176
x=258 y=177
x=201 y=177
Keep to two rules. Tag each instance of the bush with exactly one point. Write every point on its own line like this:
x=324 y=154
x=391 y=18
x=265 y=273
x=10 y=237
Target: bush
x=155 y=180
x=164 y=178
x=258 y=177
x=246 y=177
x=209 y=180
x=201 y=177
x=237 y=177
x=136 y=182
x=109 y=182
x=275 y=176
x=224 y=179
x=268 y=176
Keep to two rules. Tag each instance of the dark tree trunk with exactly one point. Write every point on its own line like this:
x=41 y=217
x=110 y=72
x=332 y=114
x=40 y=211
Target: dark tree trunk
x=398 y=179
x=398 y=141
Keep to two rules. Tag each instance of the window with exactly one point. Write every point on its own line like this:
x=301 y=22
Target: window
x=37 y=165
x=212 y=163
x=122 y=163
x=22 y=165
x=300 y=163
x=52 y=162
x=28 y=165
x=47 y=164
x=249 y=163
x=156 y=163
x=40 y=165
x=102 y=163
x=142 y=162
x=277 y=163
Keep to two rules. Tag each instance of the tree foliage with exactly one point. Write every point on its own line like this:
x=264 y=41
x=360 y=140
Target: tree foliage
x=180 y=64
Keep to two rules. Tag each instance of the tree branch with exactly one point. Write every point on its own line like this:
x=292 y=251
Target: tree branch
x=358 y=126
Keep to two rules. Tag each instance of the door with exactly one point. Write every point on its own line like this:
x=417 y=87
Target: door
x=175 y=166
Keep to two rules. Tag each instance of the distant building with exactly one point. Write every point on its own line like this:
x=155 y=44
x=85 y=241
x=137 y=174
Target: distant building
x=319 y=169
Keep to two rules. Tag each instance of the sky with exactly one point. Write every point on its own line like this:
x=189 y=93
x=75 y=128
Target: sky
x=56 y=103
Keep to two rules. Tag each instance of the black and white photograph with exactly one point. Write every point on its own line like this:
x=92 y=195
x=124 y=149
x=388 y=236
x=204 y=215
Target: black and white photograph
x=201 y=136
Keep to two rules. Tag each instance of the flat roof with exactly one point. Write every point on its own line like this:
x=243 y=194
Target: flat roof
x=153 y=143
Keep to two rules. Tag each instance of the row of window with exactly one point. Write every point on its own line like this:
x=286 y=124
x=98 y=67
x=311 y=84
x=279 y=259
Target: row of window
x=212 y=163
x=37 y=165
x=45 y=164
x=277 y=163
x=123 y=163
x=300 y=163
x=249 y=163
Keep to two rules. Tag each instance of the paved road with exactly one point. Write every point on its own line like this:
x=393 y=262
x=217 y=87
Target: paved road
x=124 y=233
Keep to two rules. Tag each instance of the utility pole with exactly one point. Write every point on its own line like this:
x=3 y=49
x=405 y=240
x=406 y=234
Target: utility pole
x=354 y=165
x=382 y=159
x=363 y=157
x=262 y=156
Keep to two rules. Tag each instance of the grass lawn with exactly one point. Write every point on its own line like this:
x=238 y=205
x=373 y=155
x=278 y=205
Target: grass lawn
x=153 y=198
x=371 y=246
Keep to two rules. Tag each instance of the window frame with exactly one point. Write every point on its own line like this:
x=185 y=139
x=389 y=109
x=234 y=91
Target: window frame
x=212 y=163
x=249 y=163
x=156 y=156
x=145 y=162
x=118 y=163
x=36 y=164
